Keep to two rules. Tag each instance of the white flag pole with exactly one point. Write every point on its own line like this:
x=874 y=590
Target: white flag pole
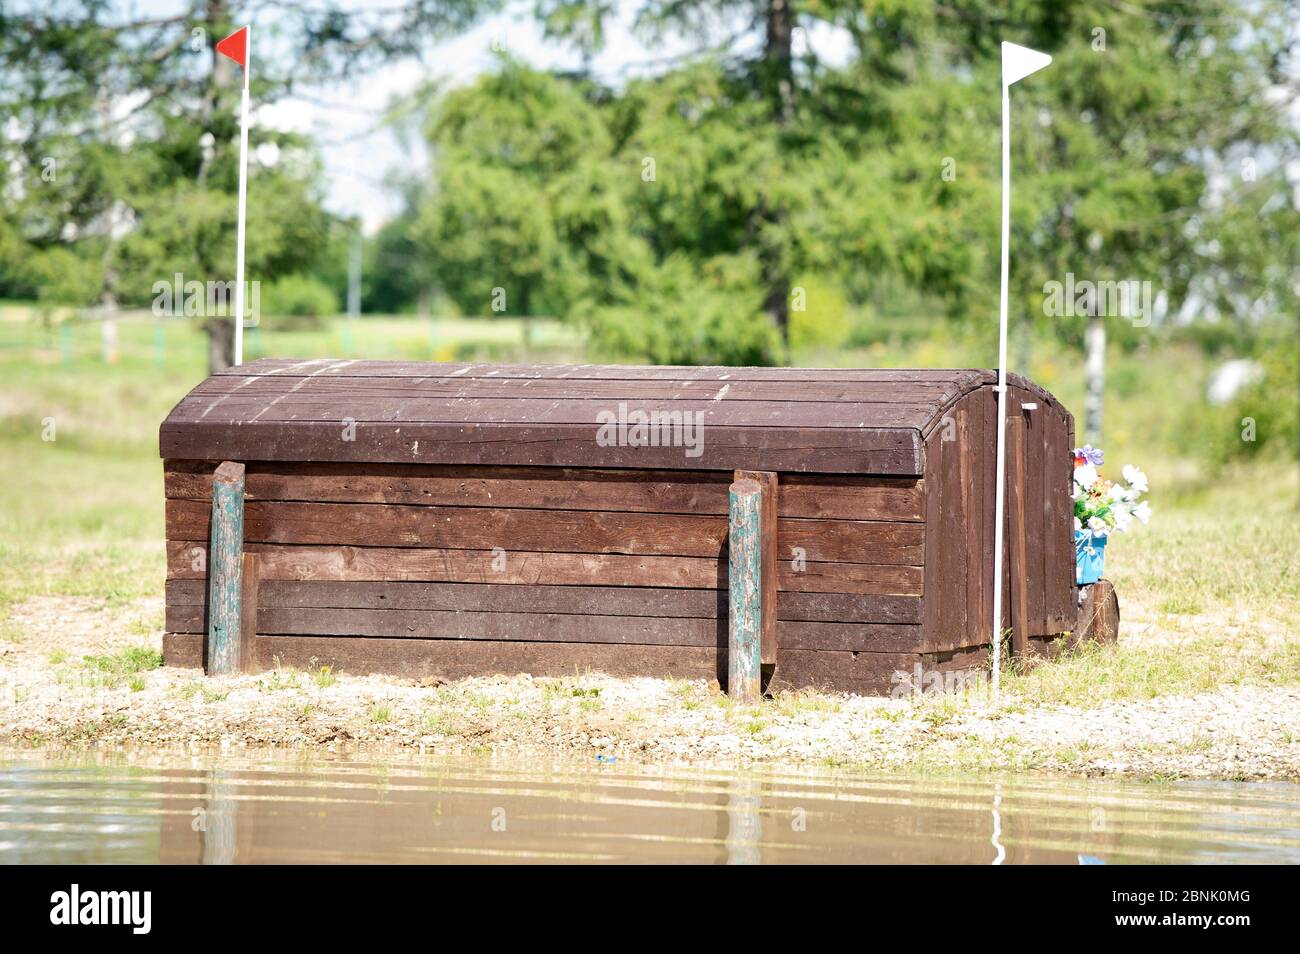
x=1017 y=63
x=243 y=204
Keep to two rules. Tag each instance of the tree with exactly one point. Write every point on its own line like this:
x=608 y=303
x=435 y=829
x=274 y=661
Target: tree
x=882 y=172
x=136 y=116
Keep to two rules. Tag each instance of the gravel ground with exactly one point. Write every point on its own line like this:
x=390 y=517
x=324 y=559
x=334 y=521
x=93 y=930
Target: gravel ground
x=51 y=696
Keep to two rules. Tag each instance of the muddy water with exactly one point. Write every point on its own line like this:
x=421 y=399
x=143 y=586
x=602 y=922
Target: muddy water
x=268 y=807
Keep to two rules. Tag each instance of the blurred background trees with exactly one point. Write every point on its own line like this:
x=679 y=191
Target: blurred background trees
x=729 y=205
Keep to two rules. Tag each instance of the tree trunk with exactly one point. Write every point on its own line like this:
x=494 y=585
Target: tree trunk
x=778 y=81
x=221 y=343
x=777 y=57
x=1096 y=375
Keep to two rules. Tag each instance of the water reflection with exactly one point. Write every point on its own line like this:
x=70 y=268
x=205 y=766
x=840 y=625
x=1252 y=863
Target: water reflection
x=271 y=807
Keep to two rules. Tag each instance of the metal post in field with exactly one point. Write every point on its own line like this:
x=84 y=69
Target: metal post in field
x=745 y=588
x=1017 y=63
x=225 y=570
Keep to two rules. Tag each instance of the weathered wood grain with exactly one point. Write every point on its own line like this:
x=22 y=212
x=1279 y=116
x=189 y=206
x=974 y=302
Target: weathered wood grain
x=1022 y=620
x=874 y=673
x=887 y=451
x=225 y=569
x=346 y=563
x=290 y=367
x=248 y=606
x=1098 y=615
x=393 y=525
x=357 y=387
x=595 y=600
x=552 y=627
x=745 y=588
x=768 y=508
x=553 y=488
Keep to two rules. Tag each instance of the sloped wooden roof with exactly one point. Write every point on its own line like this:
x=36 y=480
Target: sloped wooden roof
x=790 y=419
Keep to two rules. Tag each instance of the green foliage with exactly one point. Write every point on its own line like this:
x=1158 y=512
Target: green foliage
x=879 y=177
x=1263 y=419
x=299 y=296
x=680 y=313
x=824 y=320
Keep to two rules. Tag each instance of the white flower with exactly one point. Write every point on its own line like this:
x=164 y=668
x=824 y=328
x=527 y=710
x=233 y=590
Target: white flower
x=1078 y=524
x=1123 y=517
x=1085 y=476
x=1097 y=525
x=1137 y=480
x=1116 y=492
x=1142 y=511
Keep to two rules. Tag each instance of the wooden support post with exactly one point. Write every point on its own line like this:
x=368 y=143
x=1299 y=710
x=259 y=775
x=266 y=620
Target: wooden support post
x=767 y=482
x=1016 y=511
x=1098 y=619
x=744 y=585
x=225 y=569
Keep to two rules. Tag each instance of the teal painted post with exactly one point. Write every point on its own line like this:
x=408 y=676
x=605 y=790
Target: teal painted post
x=745 y=588
x=225 y=569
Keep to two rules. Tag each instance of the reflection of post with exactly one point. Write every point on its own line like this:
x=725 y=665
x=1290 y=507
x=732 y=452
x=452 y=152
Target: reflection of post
x=744 y=826
x=997 y=827
x=218 y=832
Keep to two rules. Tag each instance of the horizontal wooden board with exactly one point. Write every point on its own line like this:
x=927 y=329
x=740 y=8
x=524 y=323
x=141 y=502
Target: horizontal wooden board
x=866 y=450
x=447 y=388
x=301 y=405
x=862 y=672
x=290 y=368
x=186 y=560
x=810 y=496
x=551 y=627
x=474 y=528
x=596 y=600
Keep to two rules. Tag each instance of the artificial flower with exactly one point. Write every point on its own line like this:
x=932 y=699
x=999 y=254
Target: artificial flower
x=1087 y=454
x=1136 y=479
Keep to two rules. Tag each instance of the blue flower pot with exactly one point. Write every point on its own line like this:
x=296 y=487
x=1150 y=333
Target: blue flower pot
x=1089 y=557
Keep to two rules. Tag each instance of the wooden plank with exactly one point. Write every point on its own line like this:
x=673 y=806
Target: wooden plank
x=1098 y=615
x=1058 y=552
x=225 y=569
x=345 y=563
x=551 y=627
x=364 y=388
x=1018 y=501
x=946 y=566
x=973 y=502
x=1034 y=514
x=768 y=487
x=248 y=619
x=675 y=417
x=873 y=673
x=803 y=495
x=521 y=598
x=472 y=528
x=828 y=450
x=291 y=367
x=453 y=659
x=745 y=588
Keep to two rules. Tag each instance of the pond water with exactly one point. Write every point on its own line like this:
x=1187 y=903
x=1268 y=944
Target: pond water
x=216 y=808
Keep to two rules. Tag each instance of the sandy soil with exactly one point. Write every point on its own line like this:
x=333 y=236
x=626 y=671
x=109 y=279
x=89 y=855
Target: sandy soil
x=50 y=696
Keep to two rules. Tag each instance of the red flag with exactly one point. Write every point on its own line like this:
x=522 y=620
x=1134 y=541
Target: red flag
x=235 y=46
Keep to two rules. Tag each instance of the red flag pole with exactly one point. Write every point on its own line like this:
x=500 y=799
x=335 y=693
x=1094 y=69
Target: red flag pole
x=243 y=200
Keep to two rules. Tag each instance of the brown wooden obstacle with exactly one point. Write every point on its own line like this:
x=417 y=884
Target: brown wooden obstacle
x=450 y=519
